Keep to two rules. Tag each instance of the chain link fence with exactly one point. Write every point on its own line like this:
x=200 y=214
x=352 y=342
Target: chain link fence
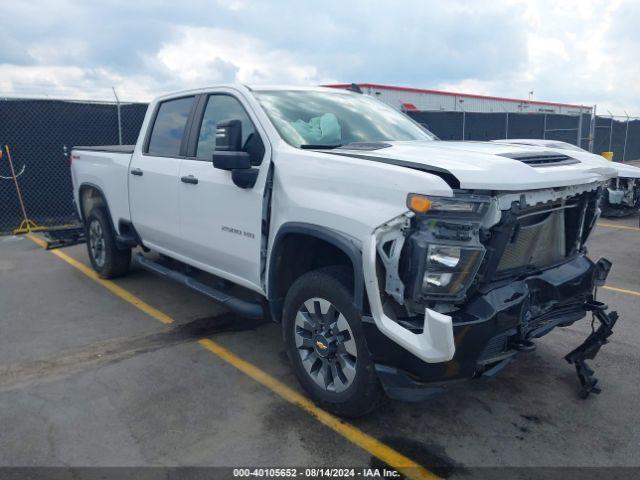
x=620 y=135
x=37 y=132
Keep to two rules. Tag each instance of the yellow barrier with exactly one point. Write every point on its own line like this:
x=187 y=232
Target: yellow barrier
x=607 y=155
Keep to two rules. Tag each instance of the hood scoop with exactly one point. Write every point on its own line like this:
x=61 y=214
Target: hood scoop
x=538 y=159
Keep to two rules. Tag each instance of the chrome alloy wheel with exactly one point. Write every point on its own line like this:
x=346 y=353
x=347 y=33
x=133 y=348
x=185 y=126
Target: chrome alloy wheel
x=326 y=345
x=97 y=243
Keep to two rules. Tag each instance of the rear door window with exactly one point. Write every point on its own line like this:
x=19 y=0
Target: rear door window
x=168 y=128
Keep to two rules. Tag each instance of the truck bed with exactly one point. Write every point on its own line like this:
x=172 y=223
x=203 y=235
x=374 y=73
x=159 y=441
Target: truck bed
x=105 y=168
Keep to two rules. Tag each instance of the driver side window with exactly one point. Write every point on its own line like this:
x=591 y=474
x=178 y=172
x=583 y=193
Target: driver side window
x=221 y=108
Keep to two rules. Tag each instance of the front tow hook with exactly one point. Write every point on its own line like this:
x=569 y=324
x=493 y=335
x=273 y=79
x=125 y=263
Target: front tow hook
x=591 y=346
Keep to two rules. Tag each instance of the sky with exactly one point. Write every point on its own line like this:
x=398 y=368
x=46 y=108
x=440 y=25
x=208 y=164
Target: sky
x=583 y=52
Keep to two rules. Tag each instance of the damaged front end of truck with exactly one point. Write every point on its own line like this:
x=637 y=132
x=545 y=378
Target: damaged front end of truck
x=458 y=286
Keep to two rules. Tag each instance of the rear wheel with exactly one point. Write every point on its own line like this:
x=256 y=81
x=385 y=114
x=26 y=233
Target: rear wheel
x=326 y=345
x=106 y=258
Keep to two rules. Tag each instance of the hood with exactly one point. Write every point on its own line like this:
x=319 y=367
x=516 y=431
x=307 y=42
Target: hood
x=488 y=166
x=624 y=170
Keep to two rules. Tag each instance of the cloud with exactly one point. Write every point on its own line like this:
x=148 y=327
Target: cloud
x=204 y=56
x=58 y=51
x=575 y=51
x=74 y=83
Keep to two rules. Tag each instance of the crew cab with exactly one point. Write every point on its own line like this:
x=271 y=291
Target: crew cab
x=394 y=262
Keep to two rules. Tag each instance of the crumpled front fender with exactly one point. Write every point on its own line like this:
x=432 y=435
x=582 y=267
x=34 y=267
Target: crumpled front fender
x=435 y=343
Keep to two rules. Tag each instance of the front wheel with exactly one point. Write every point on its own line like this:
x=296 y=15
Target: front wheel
x=325 y=343
x=106 y=258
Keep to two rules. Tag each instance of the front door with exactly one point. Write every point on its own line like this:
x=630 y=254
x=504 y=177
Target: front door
x=154 y=180
x=220 y=223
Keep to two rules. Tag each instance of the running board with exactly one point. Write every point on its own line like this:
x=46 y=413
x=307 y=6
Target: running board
x=235 y=304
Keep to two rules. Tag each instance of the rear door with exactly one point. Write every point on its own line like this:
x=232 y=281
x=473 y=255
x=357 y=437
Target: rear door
x=154 y=179
x=220 y=222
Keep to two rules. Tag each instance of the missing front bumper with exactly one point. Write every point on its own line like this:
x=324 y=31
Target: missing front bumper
x=493 y=327
x=590 y=348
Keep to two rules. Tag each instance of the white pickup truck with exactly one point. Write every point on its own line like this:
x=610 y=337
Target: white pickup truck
x=394 y=262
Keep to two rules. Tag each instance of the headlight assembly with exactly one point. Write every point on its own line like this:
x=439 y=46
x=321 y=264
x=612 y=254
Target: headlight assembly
x=424 y=204
x=444 y=252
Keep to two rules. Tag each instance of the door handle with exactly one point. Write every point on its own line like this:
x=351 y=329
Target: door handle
x=136 y=171
x=189 y=179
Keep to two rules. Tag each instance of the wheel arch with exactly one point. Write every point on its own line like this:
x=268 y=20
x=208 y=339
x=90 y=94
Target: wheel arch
x=322 y=246
x=89 y=196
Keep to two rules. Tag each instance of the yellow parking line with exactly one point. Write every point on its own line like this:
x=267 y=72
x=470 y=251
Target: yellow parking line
x=108 y=284
x=622 y=290
x=388 y=455
x=375 y=447
x=613 y=225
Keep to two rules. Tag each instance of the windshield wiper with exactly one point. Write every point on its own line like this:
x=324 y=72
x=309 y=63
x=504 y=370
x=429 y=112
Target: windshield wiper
x=311 y=146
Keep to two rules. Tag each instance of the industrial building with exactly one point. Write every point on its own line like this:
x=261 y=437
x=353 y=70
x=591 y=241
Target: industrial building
x=418 y=99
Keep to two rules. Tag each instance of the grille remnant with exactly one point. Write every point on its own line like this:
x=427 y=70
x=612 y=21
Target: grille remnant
x=539 y=241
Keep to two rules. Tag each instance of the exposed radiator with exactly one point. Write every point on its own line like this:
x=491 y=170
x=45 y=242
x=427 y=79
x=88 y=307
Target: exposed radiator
x=539 y=241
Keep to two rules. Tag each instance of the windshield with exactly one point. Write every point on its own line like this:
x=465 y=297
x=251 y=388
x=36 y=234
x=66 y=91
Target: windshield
x=326 y=119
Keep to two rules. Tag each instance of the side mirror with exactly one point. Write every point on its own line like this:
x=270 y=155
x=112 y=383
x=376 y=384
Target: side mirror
x=228 y=154
x=229 y=136
x=231 y=160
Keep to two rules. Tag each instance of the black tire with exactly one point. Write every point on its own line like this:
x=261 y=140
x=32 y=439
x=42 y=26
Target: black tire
x=107 y=259
x=363 y=393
